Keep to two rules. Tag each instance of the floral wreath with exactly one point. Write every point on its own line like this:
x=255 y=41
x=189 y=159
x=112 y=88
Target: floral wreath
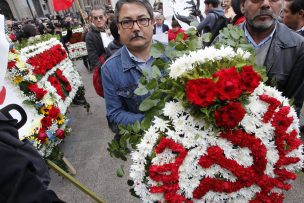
x=225 y=137
x=47 y=80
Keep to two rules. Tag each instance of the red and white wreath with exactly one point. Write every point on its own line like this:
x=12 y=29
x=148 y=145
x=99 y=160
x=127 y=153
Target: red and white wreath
x=249 y=153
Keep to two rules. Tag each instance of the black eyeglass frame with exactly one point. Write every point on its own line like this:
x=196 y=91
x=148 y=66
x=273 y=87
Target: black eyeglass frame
x=133 y=21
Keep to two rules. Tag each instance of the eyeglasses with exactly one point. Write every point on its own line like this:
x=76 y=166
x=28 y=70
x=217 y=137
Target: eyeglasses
x=128 y=24
x=98 y=17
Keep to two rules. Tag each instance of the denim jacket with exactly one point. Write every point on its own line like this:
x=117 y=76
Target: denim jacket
x=120 y=76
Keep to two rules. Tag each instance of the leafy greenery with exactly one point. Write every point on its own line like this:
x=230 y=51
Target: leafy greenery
x=35 y=40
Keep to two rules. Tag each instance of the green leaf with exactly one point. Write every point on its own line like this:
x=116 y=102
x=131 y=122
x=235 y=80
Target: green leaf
x=148 y=104
x=206 y=37
x=152 y=84
x=157 y=49
x=28 y=102
x=179 y=37
x=136 y=127
x=120 y=171
x=155 y=72
x=160 y=63
x=141 y=90
x=145 y=123
x=130 y=183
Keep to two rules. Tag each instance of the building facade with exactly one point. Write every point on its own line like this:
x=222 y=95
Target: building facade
x=22 y=9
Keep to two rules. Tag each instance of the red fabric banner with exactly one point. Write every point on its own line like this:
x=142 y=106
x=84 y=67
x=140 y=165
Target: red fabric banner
x=60 y=5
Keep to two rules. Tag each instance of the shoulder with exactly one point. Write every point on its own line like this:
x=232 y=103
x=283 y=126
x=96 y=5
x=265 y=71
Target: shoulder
x=288 y=37
x=113 y=60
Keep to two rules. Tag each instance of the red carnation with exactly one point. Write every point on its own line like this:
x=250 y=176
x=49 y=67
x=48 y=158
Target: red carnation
x=54 y=112
x=42 y=136
x=229 y=115
x=11 y=65
x=40 y=93
x=46 y=121
x=60 y=133
x=251 y=79
x=228 y=84
x=198 y=92
x=68 y=88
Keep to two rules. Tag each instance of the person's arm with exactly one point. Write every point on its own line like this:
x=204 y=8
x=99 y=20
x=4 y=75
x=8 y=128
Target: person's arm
x=295 y=84
x=92 y=51
x=18 y=182
x=68 y=36
x=114 y=105
x=204 y=24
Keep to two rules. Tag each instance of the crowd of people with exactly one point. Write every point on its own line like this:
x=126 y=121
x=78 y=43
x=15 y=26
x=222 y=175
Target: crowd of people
x=275 y=28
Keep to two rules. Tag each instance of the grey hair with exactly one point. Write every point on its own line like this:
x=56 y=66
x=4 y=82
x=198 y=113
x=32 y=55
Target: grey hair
x=144 y=3
x=159 y=16
x=96 y=8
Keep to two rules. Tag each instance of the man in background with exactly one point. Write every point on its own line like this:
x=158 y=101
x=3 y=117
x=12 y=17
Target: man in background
x=277 y=47
x=212 y=11
x=293 y=15
x=159 y=26
x=94 y=43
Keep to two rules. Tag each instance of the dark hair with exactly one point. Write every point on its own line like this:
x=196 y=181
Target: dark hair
x=114 y=30
x=236 y=6
x=175 y=23
x=214 y=3
x=29 y=30
x=296 y=6
x=144 y=3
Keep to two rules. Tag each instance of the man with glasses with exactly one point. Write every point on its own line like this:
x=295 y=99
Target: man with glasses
x=121 y=72
x=94 y=43
x=277 y=47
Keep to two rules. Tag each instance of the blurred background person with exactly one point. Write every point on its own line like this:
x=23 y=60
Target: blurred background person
x=159 y=26
x=115 y=44
x=239 y=16
x=293 y=15
x=175 y=30
x=228 y=10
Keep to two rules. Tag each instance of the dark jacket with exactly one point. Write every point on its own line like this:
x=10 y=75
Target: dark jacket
x=207 y=24
x=113 y=47
x=285 y=63
x=164 y=27
x=95 y=46
x=19 y=182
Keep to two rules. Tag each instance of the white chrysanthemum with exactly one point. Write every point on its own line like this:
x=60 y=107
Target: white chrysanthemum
x=160 y=124
x=172 y=109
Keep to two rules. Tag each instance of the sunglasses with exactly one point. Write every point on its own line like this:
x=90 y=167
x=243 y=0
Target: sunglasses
x=98 y=17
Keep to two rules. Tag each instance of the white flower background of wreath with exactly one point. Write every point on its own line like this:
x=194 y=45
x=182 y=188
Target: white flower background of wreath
x=77 y=50
x=195 y=134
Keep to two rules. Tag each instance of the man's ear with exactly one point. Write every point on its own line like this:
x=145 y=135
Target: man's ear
x=153 y=21
x=118 y=29
x=301 y=13
x=242 y=6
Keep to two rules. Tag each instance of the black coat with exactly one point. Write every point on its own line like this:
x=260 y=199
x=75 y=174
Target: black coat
x=285 y=63
x=19 y=182
x=164 y=27
x=95 y=47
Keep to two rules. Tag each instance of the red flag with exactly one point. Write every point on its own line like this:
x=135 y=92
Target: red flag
x=60 y=5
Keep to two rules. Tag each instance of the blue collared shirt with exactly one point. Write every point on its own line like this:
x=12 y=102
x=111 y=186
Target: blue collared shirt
x=262 y=43
x=120 y=76
x=143 y=65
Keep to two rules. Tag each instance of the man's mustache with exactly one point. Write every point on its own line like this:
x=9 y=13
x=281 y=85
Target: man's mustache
x=136 y=35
